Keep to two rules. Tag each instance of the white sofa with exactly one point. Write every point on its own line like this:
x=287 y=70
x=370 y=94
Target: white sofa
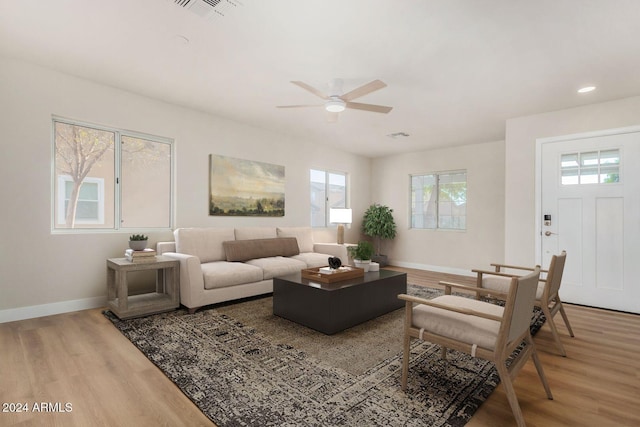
x=223 y=264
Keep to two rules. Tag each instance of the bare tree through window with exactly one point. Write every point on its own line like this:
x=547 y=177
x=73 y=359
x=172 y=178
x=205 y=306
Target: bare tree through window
x=78 y=150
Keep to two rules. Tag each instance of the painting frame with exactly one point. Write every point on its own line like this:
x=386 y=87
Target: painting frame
x=239 y=187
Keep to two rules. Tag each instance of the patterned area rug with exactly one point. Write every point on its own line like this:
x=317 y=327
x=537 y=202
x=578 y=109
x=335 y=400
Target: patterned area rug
x=239 y=374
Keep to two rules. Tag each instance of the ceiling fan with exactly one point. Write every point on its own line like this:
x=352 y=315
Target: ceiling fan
x=337 y=102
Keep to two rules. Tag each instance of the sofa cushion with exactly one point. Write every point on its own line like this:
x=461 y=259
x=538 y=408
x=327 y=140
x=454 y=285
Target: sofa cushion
x=244 y=250
x=304 y=235
x=277 y=266
x=313 y=259
x=502 y=284
x=221 y=274
x=205 y=243
x=248 y=233
x=480 y=331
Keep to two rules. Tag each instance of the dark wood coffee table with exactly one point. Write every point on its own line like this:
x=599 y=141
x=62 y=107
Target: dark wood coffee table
x=334 y=307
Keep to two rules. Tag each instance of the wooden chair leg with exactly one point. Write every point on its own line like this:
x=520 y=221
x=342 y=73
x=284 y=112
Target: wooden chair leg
x=443 y=352
x=565 y=318
x=405 y=361
x=505 y=378
x=554 y=330
x=479 y=285
x=536 y=362
x=407 y=344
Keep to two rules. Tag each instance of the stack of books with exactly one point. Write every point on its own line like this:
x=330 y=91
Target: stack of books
x=146 y=255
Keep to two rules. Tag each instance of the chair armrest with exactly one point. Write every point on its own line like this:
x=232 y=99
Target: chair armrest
x=494 y=273
x=411 y=299
x=479 y=291
x=515 y=267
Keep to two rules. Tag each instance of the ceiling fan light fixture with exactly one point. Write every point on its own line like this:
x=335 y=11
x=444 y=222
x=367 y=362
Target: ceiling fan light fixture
x=335 y=106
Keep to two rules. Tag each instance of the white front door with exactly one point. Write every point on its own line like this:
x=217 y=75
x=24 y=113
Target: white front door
x=590 y=195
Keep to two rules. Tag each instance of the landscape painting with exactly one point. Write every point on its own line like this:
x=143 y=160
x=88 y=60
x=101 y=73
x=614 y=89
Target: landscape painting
x=240 y=187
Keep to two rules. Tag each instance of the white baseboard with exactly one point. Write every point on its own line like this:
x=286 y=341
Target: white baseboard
x=33 y=311
x=30 y=312
x=439 y=269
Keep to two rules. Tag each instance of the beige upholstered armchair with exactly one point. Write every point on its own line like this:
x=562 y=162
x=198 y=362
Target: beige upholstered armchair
x=547 y=297
x=479 y=328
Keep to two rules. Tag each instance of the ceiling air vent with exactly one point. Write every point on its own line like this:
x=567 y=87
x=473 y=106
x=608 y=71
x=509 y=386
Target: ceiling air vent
x=208 y=8
x=398 y=135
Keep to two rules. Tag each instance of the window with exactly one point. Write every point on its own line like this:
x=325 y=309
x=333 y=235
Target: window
x=110 y=179
x=328 y=190
x=439 y=200
x=592 y=167
x=90 y=205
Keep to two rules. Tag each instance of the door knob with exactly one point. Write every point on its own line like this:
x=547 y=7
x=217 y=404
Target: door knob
x=548 y=233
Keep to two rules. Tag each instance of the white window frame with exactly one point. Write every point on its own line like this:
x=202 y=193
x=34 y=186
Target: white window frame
x=118 y=133
x=327 y=207
x=436 y=176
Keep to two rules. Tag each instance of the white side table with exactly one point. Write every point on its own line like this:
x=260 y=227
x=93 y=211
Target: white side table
x=165 y=298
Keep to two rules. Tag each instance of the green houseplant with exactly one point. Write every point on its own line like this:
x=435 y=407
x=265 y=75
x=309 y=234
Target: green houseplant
x=138 y=242
x=378 y=223
x=361 y=254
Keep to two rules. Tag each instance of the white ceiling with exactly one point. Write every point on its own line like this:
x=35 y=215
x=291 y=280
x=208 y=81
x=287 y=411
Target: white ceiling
x=455 y=69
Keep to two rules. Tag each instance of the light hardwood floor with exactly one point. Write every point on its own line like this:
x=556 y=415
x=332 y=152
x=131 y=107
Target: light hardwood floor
x=81 y=359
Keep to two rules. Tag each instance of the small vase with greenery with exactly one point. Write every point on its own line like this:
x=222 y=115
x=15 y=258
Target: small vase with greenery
x=378 y=223
x=361 y=254
x=138 y=242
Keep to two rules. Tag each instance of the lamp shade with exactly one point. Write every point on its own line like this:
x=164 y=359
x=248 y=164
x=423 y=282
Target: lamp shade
x=340 y=216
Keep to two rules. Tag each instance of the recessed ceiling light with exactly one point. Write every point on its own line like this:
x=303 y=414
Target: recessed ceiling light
x=586 y=89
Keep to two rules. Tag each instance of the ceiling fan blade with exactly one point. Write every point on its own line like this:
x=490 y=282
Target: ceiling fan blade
x=311 y=89
x=363 y=90
x=298 y=106
x=332 y=117
x=369 y=107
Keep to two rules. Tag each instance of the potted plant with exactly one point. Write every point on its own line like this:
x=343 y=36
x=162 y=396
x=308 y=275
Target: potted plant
x=361 y=254
x=378 y=223
x=138 y=242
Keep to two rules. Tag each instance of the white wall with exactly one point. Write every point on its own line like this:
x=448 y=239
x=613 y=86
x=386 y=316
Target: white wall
x=521 y=135
x=43 y=273
x=441 y=250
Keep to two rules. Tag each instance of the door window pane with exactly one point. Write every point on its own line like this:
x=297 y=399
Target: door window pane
x=570 y=176
x=609 y=175
x=589 y=159
x=569 y=161
x=592 y=167
x=610 y=157
x=589 y=175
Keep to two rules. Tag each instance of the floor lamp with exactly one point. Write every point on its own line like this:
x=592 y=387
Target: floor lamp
x=341 y=217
